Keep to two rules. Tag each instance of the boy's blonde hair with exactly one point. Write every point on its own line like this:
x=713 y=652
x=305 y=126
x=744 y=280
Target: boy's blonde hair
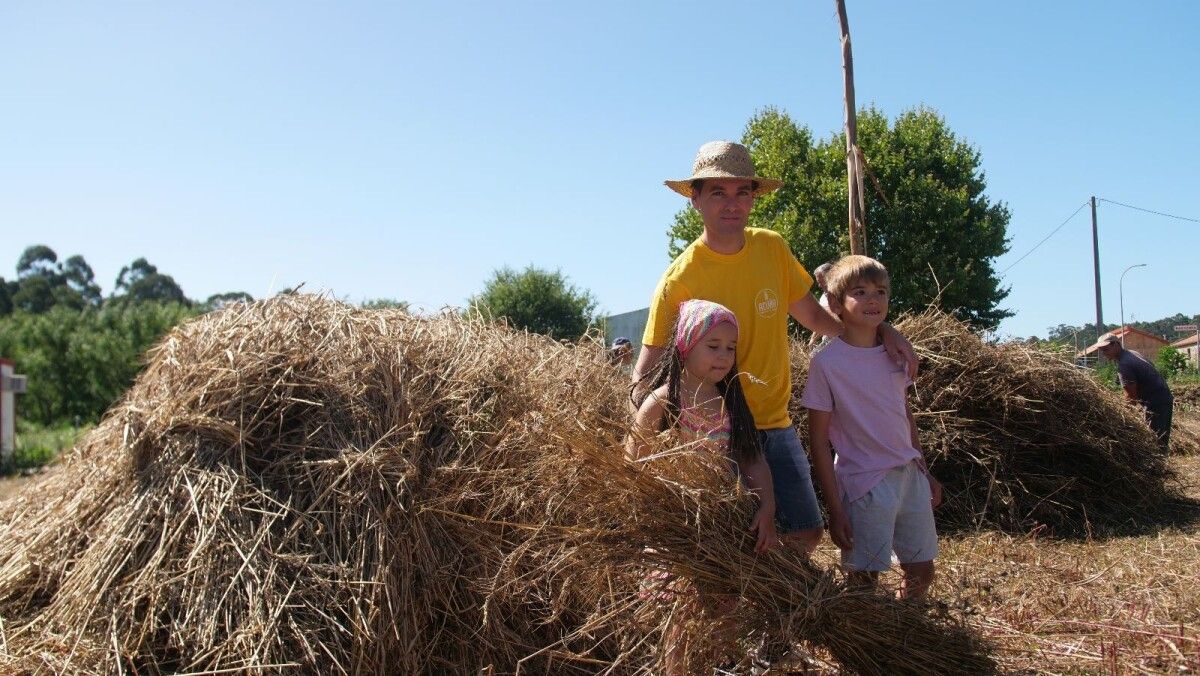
x=851 y=269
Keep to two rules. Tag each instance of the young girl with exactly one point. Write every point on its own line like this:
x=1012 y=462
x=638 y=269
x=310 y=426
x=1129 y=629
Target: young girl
x=695 y=391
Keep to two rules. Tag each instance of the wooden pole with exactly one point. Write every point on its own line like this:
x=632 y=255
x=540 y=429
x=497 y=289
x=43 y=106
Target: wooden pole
x=1096 y=267
x=854 y=158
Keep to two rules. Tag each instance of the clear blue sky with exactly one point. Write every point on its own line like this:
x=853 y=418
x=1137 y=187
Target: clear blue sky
x=406 y=150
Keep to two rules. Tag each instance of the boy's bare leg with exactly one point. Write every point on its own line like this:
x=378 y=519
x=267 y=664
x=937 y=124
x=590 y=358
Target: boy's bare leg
x=917 y=578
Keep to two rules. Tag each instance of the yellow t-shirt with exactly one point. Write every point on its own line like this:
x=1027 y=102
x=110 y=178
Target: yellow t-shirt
x=758 y=284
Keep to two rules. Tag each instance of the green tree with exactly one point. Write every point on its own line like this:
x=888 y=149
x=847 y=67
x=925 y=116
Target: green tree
x=44 y=282
x=140 y=281
x=928 y=219
x=7 y=289
x=221 y=300
x=35 y=294
x=1170 y=362
x=538 y=300
x=39 y=260
x=79 y=277
x=384 y=304
x=79 y=362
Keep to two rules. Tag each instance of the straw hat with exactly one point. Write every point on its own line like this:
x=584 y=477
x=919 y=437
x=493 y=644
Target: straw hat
x=723 y=159
x=1106 y=341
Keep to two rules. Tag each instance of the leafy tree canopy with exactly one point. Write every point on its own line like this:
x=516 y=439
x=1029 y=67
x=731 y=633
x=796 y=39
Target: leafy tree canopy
x=140 y=281
x=38 y=259
x=80 y=278
x=35 y=294
x=218 y=301
x=384 y=304
x=928 y=218
x=538 y=300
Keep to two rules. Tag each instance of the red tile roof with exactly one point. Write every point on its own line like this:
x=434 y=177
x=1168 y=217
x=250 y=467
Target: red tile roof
x=1119 y=332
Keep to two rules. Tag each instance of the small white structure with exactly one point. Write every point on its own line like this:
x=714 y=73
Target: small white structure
x=1188 y=347
x=10 y=384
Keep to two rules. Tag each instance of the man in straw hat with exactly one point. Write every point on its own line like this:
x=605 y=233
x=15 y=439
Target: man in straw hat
x=1143 y=385
x=752 y=272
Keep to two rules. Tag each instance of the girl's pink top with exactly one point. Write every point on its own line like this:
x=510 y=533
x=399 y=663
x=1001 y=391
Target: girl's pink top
x=700 y=426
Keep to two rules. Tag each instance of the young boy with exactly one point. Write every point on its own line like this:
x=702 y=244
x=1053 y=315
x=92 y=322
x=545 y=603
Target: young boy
x=879 y=493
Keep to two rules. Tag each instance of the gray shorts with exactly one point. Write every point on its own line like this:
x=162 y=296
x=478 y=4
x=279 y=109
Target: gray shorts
x=796 y=505
x=894 y=516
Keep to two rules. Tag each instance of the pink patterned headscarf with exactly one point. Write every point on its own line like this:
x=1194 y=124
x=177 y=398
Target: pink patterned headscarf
x=696 y=318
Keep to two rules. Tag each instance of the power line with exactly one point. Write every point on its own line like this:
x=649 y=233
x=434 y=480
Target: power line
x=1060 y=227
x=1149 y=211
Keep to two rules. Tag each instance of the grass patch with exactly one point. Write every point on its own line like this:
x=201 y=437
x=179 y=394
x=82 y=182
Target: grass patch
x=38 y=445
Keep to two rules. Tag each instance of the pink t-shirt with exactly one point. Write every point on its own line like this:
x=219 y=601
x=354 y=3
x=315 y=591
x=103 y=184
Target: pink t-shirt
x=864 y=389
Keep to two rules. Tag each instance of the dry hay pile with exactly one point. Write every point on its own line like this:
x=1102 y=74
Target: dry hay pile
x=1187 y=395
x=1022 y=440
x=297 y=485
x=1185 y=423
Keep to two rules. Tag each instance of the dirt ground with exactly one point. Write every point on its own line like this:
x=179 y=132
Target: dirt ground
x=10 y=485
x=1128 y=605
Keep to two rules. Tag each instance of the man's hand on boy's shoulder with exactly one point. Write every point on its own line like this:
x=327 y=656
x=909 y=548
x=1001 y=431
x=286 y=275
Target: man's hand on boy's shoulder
x=899 y=349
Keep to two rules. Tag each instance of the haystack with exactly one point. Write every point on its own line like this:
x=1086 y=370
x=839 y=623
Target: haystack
x=1187 y=397
x=296 y=485
x=1022 y=439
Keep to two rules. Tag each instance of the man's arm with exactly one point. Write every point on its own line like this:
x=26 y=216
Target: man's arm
x=819 y=319
x=1131 y=392
x=815 y=317
x=1127 y=376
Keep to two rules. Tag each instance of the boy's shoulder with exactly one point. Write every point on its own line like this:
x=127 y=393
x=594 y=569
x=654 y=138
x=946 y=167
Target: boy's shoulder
x=830 y=352
x=836 y=355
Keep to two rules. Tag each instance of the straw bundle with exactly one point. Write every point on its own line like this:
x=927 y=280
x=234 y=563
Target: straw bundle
x=299 y=485
x=1022 y=440
x=1187 y=396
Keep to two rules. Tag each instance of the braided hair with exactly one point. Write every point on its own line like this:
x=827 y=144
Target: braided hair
x=743 y=435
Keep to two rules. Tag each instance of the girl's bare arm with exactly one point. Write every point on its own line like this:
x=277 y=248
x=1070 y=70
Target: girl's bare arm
x=646 y=423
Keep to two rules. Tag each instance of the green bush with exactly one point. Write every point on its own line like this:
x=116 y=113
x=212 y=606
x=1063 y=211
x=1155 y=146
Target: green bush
x=1106 y=374
x=1170 y=362
x=79 y=362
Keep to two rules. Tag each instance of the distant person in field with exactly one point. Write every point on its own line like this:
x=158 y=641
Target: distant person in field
x=752 y=272
x=621 y=353
x=819 y=277
x=1143 y=385
x=695 y=394
x=879 y=493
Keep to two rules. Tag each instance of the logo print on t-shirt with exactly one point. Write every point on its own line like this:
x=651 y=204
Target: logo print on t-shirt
x=766 y=302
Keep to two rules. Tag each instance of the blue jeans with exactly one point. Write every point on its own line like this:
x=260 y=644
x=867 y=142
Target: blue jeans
x=796 y=507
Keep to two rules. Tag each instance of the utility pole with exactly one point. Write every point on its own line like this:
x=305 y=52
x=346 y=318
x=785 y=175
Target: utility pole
x=1096 y=261
x=854 y=156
